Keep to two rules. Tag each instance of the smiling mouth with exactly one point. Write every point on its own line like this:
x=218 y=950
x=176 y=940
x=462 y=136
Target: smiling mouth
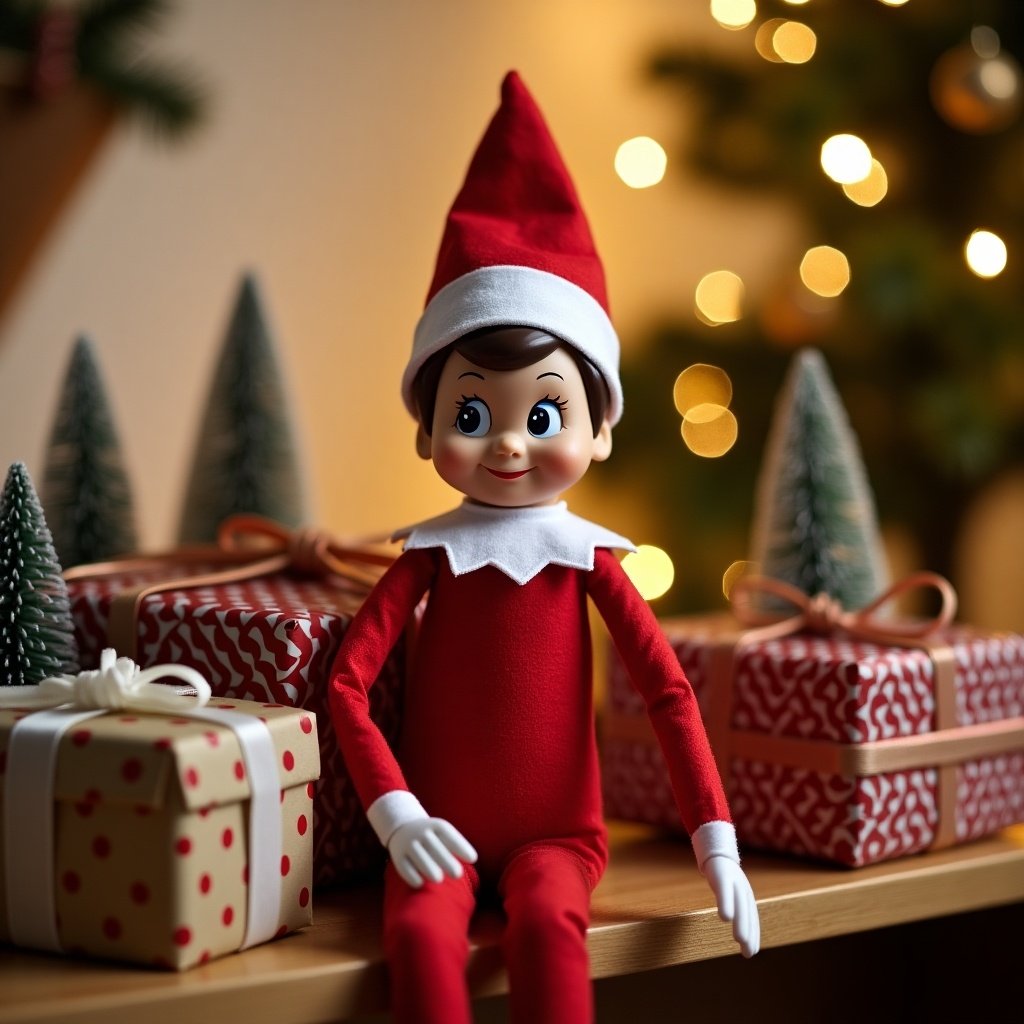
x=507 y=476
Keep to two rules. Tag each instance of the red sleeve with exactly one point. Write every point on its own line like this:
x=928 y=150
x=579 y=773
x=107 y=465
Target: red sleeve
x=364 y=649
x=657 y=675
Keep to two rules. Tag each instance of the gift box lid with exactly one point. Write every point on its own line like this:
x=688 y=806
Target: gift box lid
x=135 y=757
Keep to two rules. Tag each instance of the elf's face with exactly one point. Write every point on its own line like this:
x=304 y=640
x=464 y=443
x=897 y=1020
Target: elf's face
x=513 y=437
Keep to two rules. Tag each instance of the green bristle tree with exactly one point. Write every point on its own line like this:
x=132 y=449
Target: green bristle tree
x=37 y=638
x=245 y=458
x=815 y=525
x=85 y=488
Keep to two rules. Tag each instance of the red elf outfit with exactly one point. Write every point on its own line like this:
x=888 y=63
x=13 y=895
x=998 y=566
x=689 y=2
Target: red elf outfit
x=498 y=741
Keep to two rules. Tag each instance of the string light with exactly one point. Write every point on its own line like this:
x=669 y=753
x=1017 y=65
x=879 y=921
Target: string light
x=709 y=430
x=640 y=162
x=985 y=253
x=871 y=190
x=734 y=572
x=825 y=270
x=719 y=297
x=764 y=39
x=733 y=14
x=846 y=158
x=651 y=570
x=701 y=384
x=794 y=42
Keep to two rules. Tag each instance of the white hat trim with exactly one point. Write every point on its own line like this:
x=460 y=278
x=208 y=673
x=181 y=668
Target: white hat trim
x=516 y=296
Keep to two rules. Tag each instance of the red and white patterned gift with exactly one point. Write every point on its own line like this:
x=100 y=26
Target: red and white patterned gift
x=269 y=638
x=834 y=749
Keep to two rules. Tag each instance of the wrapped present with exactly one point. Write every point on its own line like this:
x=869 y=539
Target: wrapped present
x=147 y=825
x=262 y=623
x=842 y=737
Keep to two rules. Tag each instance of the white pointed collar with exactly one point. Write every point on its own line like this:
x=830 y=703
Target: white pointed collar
x=518 y=541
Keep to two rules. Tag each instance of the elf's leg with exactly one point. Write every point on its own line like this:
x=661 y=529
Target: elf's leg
x=426 y=945
x=546 y=892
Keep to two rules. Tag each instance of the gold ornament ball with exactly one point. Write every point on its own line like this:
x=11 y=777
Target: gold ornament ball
x=976 y=94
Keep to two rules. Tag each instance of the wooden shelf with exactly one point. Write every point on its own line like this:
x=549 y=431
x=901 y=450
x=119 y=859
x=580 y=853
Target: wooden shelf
x=651 y=910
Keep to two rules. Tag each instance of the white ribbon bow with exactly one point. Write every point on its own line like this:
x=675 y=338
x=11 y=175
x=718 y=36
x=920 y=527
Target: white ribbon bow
x=118 y=684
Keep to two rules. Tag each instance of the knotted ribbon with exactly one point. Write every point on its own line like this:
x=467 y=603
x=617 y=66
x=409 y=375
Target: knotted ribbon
x=248 y=547
x=28 y=825
x=824 y=614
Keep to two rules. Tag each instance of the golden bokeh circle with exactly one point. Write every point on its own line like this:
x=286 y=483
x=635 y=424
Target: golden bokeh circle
x=719 y=297
x=870 y=190
x=734 y=572
x=825 y=270
x=709 y=430
x=651 y=570
x=700 y=384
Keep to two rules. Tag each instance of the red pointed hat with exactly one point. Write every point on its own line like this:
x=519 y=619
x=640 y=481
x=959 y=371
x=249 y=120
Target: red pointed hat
x=517 y=250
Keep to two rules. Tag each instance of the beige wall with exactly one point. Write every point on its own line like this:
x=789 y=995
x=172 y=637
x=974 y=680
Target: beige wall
x=338 y=134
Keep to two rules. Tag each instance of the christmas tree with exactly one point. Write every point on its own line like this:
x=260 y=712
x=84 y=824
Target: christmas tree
x=85 y=489
x=814 y=525
x=37 y=639
x=893 y=134
x=245 y=459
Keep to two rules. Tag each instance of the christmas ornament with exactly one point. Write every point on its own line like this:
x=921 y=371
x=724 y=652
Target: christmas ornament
x=976 y=86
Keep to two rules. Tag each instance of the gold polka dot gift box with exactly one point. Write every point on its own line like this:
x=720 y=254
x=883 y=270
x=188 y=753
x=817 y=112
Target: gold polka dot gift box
x=144 y=823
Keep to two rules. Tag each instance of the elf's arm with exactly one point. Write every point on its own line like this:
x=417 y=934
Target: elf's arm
x=420 y=846
x=657 y=675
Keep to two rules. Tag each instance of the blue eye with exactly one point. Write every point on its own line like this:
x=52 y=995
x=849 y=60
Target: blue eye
x=545 y=419
x=474 y=418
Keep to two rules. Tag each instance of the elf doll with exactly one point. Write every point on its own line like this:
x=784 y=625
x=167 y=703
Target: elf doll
x=493 y=785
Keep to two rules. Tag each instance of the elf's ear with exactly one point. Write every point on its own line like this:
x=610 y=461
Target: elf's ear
x=422 y=442
x=602 y=443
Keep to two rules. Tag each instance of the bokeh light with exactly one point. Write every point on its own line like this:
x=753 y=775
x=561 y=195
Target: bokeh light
x=733 y=14
x=825 y=270
x=709 y=430
x=640 y=162
x=985 y=253
x=894 y=3
x=870 y=190
x=794 y=42
x=764 y=39
x=719 y=297
x=734 y=572
x=701 y=384
x=650 y=569
x=846 y=158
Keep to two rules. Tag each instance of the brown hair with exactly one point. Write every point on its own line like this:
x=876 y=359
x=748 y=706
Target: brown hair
x=508 y=348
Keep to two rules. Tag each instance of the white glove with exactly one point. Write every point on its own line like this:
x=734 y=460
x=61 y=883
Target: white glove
x=431 y=848
x=736 y=902
x=420 y=846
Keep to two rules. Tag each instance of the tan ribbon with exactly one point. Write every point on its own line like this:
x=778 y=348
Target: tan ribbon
x=247 y=546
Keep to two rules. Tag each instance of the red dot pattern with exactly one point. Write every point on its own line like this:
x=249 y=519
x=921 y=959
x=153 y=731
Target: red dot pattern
x=208 y=846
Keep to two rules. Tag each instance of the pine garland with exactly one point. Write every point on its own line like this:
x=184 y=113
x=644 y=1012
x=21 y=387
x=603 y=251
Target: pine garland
x=36 y=632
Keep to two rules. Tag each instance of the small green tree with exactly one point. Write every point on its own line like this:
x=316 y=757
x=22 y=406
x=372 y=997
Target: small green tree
x=37 y=638
x=85 y=490
x=245 y=459
x=814 y=520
